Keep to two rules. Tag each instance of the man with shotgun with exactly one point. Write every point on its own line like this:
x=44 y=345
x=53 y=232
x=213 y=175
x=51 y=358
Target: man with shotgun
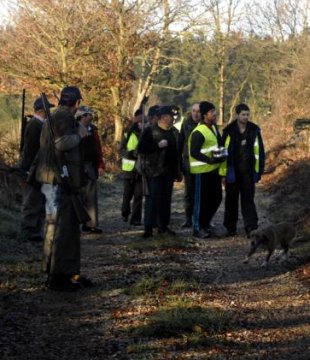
x=60 y=170
x=33 y=205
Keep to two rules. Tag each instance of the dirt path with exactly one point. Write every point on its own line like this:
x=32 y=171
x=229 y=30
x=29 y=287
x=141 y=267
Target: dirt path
x=163 y=298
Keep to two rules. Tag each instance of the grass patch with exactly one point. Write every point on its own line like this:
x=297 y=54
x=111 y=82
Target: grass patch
x=180 y=286
x=145 y=285
x=166 y=281
x=182 y=320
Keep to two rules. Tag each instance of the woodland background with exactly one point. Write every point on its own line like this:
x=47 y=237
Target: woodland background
x=121 y=52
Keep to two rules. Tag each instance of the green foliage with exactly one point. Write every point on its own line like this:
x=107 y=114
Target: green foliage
x=10 y=112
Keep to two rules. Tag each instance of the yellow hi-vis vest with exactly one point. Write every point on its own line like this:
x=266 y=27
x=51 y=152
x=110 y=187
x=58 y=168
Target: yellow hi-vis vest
x=210 y=143
x=223 y=166
x=132 y=143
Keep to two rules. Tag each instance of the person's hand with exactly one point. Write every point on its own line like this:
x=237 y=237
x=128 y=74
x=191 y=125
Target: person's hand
x=217 y=160
x=162 y=144
x=82 y=131
x=100 y=171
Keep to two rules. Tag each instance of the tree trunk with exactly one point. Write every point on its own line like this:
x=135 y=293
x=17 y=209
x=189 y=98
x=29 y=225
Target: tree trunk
x=118 y=122
x=118 y=128
x=221 y=100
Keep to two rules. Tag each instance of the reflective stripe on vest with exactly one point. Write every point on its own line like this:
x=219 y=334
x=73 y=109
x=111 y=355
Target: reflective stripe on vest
x=256 y=154
x=128 y=164
x=210 y=143
x=223 y=166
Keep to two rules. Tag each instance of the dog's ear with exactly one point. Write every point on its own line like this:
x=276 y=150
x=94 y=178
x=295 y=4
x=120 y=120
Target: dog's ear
x=255 y=238
x=264 y=239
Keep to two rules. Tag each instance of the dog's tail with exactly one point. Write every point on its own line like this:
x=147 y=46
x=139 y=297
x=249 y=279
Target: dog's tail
x=303 y=218
x=301 y=238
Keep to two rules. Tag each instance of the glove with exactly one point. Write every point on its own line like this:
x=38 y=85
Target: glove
x=162 y=144
x=217 y=160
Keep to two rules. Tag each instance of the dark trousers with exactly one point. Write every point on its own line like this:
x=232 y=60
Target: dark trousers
x=245 y=187
x=208 y=197
x=132 y=189
x=189 y=194
x=62 y=235
x=158 y=202
x=90 y=200
x=33 y=211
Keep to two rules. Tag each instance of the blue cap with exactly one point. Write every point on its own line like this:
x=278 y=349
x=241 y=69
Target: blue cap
x=72 y=93
x=166 y=110
x=38 y=104
x=153 y=110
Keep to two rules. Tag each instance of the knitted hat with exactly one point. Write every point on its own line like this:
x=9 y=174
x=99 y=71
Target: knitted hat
x=205 y=107
x=83 y=110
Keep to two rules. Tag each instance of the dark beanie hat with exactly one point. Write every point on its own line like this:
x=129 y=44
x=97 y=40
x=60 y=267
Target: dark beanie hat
x=205 y=106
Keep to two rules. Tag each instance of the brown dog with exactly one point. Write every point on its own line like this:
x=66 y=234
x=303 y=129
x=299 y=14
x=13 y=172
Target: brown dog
x=271 y=237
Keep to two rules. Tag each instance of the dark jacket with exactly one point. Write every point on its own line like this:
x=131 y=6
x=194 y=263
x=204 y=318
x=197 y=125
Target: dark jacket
x=64 y=152
x=187 y=127
x=92 y=153
x=154 y=161
x=31 y=143
x=252 y=131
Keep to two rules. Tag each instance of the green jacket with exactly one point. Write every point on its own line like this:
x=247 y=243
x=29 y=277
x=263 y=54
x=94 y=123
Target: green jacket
x=64 y=152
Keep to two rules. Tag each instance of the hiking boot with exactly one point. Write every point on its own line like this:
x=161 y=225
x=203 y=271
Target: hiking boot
x=95 y=230
x=187 y=224
x=167 y=231
x=91 y=230
x=84 y=281
x=231 y=233
x=201 y=235
x=147 y=233
x=136 y=223
x=62 y=283
x=208 y=232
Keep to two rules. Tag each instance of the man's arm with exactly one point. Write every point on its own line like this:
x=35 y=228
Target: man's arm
x=261 y=153
x=182 y=138
x=195 y=149
x=68 y=134
x=31 y=144
x=146 y=143
x=100 y=162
